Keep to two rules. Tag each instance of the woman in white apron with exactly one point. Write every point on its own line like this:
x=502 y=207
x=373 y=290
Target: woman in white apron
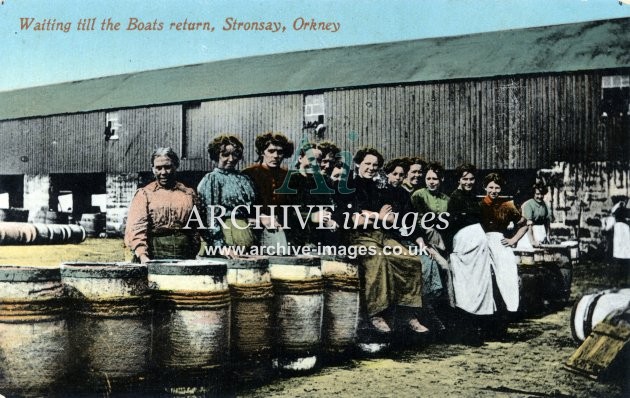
x=618 y=222
x=470 y=257
x=496 y=214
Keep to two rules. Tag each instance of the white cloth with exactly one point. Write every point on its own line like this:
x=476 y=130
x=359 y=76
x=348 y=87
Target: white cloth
x=505 y=269
x=470 y=271
x=540 y=234
x=621 y=240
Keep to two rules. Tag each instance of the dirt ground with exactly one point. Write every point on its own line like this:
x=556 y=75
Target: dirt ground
x=529 y=363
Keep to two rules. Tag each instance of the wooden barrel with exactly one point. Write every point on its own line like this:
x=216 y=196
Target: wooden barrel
x=559 y=260
x=65 y=233
x=39 y=217
x=14 y=215
x=115 y=221
x=33 y=332
x=341 y=304
x=93 y=223
x=591 y=309
x=574 y=250
x=531 y=281
x=17 y=233
x=54 y=217
x=251 y=324
x=298 y=304
x=111 y=324
x=191 y=324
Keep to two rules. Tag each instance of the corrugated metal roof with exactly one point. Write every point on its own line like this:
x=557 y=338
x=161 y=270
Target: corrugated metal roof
x=559 y=48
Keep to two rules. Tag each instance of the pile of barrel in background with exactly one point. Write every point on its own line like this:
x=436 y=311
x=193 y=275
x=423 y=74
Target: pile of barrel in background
x=17 y=233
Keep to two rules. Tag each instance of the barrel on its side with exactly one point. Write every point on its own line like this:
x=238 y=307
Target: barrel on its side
x=191 y=324
x=591 y=309
x=298 y=310
x=14 y=233
x=33 y=331
x=251 y=329
x=111 y=329
x=341 y=304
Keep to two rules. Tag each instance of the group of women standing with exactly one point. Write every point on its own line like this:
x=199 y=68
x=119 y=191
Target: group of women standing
x=470 y=262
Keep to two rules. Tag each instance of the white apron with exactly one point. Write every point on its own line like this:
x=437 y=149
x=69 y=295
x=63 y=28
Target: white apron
x=621 y=240
x=540 y=234
x=470 y=271
x=505 y=270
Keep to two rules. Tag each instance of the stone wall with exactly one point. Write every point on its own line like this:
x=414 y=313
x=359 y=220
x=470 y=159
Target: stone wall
x=120 y=191
x=581 y=195
x=36 y=194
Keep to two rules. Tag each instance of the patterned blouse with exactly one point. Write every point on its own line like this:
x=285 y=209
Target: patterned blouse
x=226 y=188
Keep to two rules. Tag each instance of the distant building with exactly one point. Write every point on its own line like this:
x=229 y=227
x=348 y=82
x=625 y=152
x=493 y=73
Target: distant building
x=552 y=98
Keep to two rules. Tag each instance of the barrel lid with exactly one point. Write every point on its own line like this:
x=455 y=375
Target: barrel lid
x=295 y=260
x=250 y=262
x=19 y=273
x=553 y=246
x=570 y=243
x=97 y=270
x=212 y=267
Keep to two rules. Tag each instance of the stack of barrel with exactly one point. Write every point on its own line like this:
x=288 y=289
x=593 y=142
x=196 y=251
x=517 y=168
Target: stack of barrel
x=16 y=233
x=14 y=215
x=545 y=276
x=174 y=327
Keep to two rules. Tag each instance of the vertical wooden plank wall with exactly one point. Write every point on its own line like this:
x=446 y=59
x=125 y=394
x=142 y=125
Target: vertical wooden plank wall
x=525 y=122
x=518 y=123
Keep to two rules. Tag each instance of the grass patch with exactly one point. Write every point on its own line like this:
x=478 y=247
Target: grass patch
x=91 y=250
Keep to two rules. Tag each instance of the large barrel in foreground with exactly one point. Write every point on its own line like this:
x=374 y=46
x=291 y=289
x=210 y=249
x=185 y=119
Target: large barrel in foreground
x=191 y=324
x=341 y=304
x=298 y=304
x=251 y=329
x=33 y=333
x=110 y=328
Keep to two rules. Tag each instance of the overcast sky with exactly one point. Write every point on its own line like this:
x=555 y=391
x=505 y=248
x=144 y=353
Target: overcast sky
x=49 y=55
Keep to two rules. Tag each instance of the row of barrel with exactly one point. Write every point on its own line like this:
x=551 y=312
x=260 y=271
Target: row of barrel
x=21 y=233
x=93 y=223
x=179 y=326
x=545 y=276
x=171 y=327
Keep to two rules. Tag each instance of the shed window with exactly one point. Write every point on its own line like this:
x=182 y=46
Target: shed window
x=615 y=95
x=313 y=110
